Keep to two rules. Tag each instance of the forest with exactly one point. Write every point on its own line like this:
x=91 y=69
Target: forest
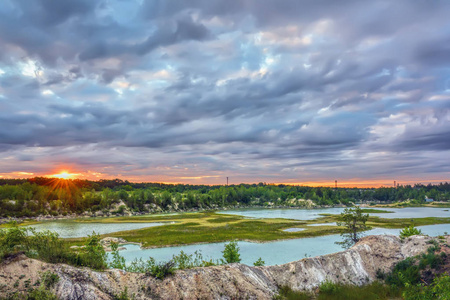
x=51 y=196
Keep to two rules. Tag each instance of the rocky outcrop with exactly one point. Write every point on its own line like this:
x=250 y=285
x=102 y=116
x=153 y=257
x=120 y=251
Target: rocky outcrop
x=357 y=265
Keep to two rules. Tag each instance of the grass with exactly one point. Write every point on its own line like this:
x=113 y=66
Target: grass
x=211 y=227
x=406 y=222
x=375 y=211
x=189 y=233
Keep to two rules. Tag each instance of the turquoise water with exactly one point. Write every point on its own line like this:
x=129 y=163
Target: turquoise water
x=273 y=253
x=70 y=229
x=311 y=214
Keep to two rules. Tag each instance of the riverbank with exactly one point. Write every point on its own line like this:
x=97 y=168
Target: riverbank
x=154 y=212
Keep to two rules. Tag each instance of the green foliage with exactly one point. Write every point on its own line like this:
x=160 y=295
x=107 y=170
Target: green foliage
x=92 y=255
x=404 y=272
x=49 y=279
x=39 y=196
x=188 y=261
x=259 y=262
x=335 y=291
x=409 y=231
x=431 y=259
x=231 y=253
x=141 y=266
x=162 y=270
x=41 y=293
x=46 y=245
x=286 y=293
x=12 y=240
x=373 y=291
x=355 y=222
x=438 y=290
x=49 y=247
x=118 y=261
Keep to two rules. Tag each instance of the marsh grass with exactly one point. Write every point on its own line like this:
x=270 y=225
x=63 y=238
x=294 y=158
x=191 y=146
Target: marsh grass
x=375 y=211
x=192 y=233
x=405 y=222
x=211 y=227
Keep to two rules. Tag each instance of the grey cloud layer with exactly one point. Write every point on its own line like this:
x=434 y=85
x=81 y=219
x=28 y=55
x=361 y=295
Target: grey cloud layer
x=290 y=90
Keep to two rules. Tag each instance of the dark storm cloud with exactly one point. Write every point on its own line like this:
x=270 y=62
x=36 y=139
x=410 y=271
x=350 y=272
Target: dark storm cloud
x=270 y=87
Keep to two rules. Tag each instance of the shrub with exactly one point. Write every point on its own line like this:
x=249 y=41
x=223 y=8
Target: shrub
x=141 y=266
x=49 y=279
x=405 y=272
x=184 y=261
x=118 y=261
x=92 y=255
x=409 y=231
x=286 y=293
x=13 y=240
x=41 y=293
x=187 y=261
x=259 y=263
x=163 y=270
x=439 y=289
x=373 y=291
x=231 y=253
x=47 y=246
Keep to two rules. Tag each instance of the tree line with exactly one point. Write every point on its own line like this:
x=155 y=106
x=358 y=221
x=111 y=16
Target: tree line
x=42 y=196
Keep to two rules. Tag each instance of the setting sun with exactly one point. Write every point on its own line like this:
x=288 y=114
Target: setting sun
x=63 y=175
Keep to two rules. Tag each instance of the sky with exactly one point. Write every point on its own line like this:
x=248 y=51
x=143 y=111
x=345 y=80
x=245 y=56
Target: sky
x=194 y=91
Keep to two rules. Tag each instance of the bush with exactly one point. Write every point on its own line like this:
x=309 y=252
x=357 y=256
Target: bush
x=41 y=293
x=163 y=270
x=13 y=240
x=373 y=291
x=439 y=289
x=92 y=255
x=286 y=293
x=405 y=272
x=231 y=253
x=49 y=279
x=259 y=263
x=409 y=231
x=141 y=266
x=47 y=246
x=184 y=261
x=118 y=261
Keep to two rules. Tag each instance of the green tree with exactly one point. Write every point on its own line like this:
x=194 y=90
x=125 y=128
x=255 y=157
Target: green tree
x=231 y=253
x=355 y=222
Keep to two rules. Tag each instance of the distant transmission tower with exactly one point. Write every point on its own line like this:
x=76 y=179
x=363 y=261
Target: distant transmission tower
x=335 y=184
x=227 y=181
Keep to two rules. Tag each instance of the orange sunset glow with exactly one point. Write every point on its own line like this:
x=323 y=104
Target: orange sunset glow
x=64 y=175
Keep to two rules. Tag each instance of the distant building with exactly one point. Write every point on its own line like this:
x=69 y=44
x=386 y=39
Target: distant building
x=428 y=199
